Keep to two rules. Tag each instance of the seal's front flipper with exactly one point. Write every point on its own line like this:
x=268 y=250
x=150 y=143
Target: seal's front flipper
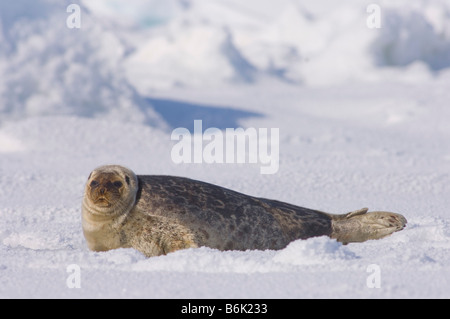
x=359 y=226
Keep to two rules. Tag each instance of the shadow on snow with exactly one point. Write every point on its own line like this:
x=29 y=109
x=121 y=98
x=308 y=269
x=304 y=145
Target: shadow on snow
x=182 y=114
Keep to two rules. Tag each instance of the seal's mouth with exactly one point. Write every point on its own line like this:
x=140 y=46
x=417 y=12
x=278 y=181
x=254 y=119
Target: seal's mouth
x=102 y=202
x=105 y=190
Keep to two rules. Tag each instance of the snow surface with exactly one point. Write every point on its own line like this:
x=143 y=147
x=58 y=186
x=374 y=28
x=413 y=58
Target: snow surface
x=363 y=117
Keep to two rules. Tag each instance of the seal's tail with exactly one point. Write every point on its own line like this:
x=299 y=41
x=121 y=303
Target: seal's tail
x=359 y=226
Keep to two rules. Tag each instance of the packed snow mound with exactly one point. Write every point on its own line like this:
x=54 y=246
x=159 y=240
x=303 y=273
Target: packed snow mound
x=48 y=68
x=416 y=33
x=123 y=53
x=208 y=43
x=313 y=251
x=204 y=54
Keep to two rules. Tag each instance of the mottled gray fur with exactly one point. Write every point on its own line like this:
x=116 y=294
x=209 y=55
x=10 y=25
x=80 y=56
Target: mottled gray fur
x=170 y=213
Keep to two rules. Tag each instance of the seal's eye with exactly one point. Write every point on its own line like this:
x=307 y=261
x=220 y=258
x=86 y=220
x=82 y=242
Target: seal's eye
x=94 y=184
x=117 y=184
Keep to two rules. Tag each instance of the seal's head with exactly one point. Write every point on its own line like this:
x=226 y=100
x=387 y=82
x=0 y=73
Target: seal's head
x=110 y=191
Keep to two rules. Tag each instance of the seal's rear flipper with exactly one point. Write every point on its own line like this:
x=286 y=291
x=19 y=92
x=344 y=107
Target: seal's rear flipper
x=356 y=213
x=359 y=226
x=350 y=214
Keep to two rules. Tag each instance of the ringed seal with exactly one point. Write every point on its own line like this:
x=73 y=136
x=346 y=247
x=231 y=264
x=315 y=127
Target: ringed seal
x=161 y=214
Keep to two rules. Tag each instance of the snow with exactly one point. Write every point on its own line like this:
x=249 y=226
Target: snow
x=362 y=113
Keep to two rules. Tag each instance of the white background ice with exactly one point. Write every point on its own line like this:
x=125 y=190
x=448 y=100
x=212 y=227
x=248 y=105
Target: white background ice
x=363 y=117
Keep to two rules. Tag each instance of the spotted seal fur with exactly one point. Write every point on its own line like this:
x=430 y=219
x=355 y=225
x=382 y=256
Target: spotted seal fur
x=161 y=214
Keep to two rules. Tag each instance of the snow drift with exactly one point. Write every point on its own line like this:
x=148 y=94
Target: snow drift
x=124 y=52
x=363 y=118
x=50 y=69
